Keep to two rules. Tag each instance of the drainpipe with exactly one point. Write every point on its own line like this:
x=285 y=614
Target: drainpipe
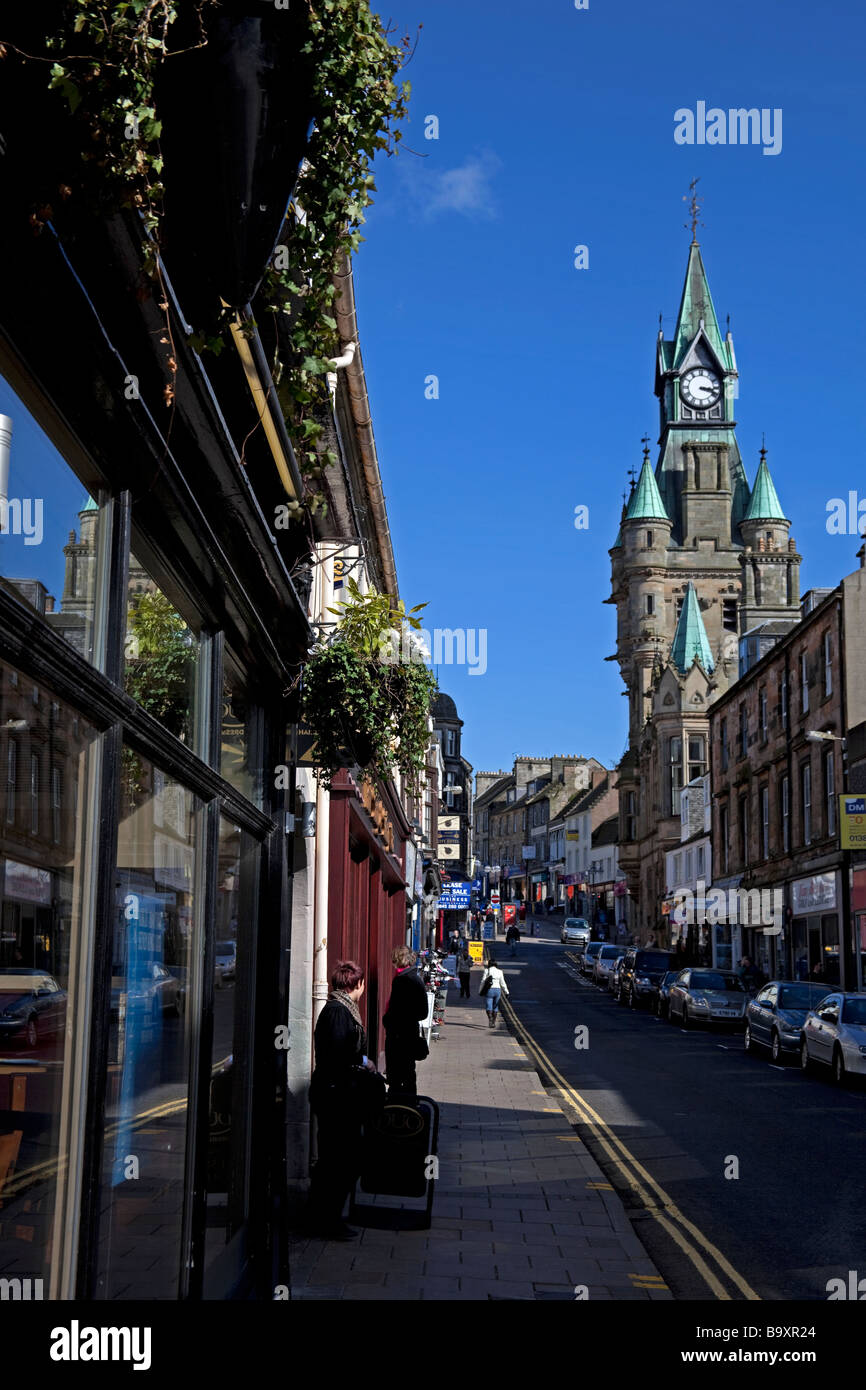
x=336 y=362
x=5 y=445
x=325 y=571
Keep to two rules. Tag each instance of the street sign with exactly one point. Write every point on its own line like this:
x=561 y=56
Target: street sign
x=455 y=897
x=852 y=822
x=476 y=951
x=494 y=899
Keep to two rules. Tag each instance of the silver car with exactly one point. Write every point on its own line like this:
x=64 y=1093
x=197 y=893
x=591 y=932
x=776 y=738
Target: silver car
x=835 y=1034
x=576 y=931
x=707 y=996
x=604 y=963
x=587 y=960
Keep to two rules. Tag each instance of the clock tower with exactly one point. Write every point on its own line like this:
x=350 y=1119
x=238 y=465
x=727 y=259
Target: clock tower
x=700 y=559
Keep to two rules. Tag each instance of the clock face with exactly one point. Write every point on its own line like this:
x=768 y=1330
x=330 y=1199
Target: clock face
x=700 y=387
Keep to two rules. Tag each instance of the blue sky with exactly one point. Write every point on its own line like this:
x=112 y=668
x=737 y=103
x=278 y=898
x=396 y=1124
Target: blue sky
x=556 y=129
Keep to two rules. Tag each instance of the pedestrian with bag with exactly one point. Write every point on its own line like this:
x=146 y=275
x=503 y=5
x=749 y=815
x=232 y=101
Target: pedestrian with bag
x=404 y=1045
x=464 y=969
x=345 y=1089
x=493 y=986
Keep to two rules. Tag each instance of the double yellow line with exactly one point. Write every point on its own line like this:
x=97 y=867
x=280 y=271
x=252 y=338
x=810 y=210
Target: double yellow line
x=690 y=1240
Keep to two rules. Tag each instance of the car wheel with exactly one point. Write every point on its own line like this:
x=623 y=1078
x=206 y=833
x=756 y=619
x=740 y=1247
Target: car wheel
x=805 y=1064
x=748 y=1040
x=31 y=1033
x=776 y=1049
x=840 y=1076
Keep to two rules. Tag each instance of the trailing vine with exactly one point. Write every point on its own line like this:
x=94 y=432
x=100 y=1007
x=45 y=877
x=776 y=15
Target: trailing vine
x=359 y=106
x=363 y=700
x=104 y=63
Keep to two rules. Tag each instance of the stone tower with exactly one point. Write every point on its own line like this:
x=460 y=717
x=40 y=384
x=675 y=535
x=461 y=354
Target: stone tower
x=698 y=561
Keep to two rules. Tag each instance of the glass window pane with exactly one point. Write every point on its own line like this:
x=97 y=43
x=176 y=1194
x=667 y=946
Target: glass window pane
x=162 y=655
x=51 y=530
x=238 y=760
x=154 y=1005
x=45 y=908
x=231 y=1061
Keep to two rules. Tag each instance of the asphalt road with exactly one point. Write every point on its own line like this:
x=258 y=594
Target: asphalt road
x=685 y=1105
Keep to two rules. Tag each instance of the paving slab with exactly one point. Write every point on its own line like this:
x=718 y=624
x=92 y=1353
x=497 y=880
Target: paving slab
x=516 y=1216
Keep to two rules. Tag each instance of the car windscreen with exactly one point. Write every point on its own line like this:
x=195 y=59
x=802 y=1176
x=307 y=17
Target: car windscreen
x=593 y=948
x=854 y=1011
x=801 y=996
x=711 y=979
x=611 y=952
x=652 y=960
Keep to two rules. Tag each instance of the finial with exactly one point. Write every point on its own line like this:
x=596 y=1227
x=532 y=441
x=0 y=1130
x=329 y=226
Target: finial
x=763 y=447
x=694 y=203
x=631 y=477
x=660 y=323
x=646 y=449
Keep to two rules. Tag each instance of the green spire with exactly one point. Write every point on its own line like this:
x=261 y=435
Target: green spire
x=690 y=642
x=89 y=506
x=697 y=304
x=646 y=502
x=764 y=504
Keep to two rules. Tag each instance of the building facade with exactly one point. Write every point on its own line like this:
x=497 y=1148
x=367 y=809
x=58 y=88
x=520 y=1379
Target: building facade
x=700 y=559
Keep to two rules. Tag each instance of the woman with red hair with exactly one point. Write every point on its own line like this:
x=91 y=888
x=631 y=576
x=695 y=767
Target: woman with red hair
x=337 y=1100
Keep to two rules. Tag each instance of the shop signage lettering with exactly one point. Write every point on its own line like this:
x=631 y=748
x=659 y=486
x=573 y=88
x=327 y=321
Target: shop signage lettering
x=813 y=894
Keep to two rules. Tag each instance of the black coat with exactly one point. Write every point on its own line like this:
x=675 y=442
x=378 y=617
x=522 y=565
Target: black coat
x=406 y=1007
x=341 y=1044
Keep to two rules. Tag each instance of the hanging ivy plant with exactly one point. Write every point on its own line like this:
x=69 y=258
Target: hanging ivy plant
x=362 y=701
x=359 y=106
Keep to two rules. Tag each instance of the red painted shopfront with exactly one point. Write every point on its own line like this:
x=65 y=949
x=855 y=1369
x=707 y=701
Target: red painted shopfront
x=368 y=905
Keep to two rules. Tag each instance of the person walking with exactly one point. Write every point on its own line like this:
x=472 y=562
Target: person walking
x=512 y=936
x=404 y=1045
x=339 y=1095
x=495 y=990
x=464 y=970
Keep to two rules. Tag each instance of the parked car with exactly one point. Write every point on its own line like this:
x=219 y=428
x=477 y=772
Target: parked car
x=834 y=1034
x=225 y=953
x=775 y=1017
x=641 y=974
x=32 y=1005
x=155 y=991
x=613 y=980
x=707 y=996
x=576 y=931
x=663 y=992
x=587 y=960
x=604 y=962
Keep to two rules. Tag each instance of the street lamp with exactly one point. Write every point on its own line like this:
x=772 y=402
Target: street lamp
x=824 y=736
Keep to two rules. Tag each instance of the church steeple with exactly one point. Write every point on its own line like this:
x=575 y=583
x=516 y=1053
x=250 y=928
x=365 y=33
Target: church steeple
x=690 y=642
x=697 y=312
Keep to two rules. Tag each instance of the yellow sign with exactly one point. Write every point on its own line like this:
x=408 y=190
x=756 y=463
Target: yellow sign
x=476 y=951
x=572 y=834
x=852 y=822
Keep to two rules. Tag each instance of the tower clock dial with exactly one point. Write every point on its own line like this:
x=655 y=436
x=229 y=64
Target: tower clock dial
x=700 y=387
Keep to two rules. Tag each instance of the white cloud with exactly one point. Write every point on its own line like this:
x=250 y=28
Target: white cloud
x=465 y=189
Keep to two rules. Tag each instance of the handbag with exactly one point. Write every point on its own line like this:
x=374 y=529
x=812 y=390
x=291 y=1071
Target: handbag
x=421 y=1051
x=485 y=984
x=368 y=1089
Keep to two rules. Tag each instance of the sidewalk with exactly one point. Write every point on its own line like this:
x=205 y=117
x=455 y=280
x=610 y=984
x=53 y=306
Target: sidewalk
x=521 y=1210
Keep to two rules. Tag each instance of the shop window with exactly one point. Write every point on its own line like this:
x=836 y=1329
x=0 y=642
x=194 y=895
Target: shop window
x=155 y=1005
x=228 y=1176
x=240 y=735
x=51 y=533
x=161 y=656
x=46 y=913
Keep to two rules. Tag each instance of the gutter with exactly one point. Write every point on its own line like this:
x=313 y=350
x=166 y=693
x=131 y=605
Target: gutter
x=356 y=389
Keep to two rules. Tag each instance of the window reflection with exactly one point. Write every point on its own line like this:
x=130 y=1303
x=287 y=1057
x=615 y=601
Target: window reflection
x=153 y=996
x=237 y=758
x=50 y=530
x=161 y=655
x=228 y=1139
x=46 y=753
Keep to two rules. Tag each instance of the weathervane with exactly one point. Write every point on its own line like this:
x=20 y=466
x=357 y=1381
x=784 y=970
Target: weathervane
x=694 y=210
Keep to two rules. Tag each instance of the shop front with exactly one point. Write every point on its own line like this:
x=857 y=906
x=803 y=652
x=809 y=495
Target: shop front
x=815 y=936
